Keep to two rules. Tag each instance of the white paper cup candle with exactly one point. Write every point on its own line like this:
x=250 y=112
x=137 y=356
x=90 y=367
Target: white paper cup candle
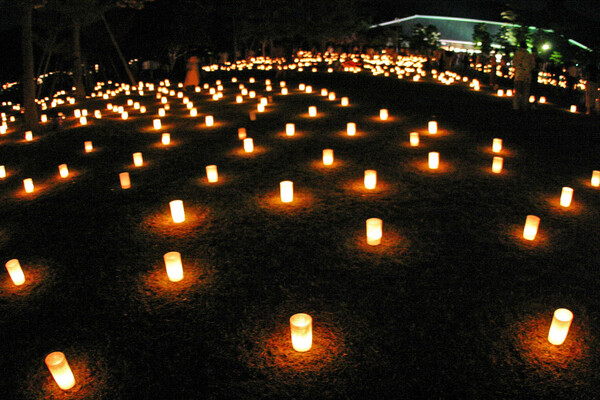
x=497 y=163
x=15 y=272
x=595 y=179
x=166 y=139
x=312 y=111
x=211 y=173
x=566 y=196
x=28 y=185
x=370 y=179
x=88 y=146
x=327 y=157
x=124 y=179
x=286 y=189
x=414 y=139
x=383 y=114
x=561 y=322
x=351 y=128
x=60 y=370
x=432 y=127
x=63 y=170
x=531 y=227
x=174 y=266
x=248 y=145
x=301 y=331
x=138 y=160
x=290 y=129
x=177 y=211
x=374 y=231
x=497 y=145
x=434 y=160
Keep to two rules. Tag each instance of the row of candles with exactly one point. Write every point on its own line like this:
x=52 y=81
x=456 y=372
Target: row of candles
x=300 y=324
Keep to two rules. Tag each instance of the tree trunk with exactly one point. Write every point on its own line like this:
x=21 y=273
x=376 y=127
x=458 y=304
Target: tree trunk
x=31 y=114
x=77 y=64
x=114 y=42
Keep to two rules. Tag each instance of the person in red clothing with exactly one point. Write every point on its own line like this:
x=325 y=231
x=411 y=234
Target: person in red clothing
x=192 y=78
x=524 y=62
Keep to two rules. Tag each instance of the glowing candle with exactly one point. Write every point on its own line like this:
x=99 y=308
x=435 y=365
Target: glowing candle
x=312 y=111
x=174 y=266
x=211 y=173
x=16 y=273
x=500 y=92
x=596 y=178
x=252 y=94
x=239 y=98
x=434 y=160
x=193 y=112
x=252 y=116
x=177 y=212
x=166 y=139
x=2 y=171
x=566 y=196
x=345 y=102
x=124 y=179
x=286 y=189
x=209 y=120
x=284 y=91
x=302 y=86
x=290 y=129
x=44 y=118
x=331 y=96
x=531 y=227
x=161 y=112
x=248 y=145
x=573 y=108
x=370 y=179
x=28 y=184
x=138 y=160
x=383 y=114
x=77 y=113
x=432 y=127
x=98 y=114
x=324 y=92
x=308 y=89
x=509 y=93
x=157 y=124
x=60 y=370
x=242 y=133
x=542 y=99
x=124 y=116
x=260 y=108
x=374 y=231
x=561 y=322
x=88 y=146
x=327 y=157
x=29 y=136
x=497 y=145
x=414 y=139
x=497 y=164
x=351 y=129
x=301 y=329
x=63 y=170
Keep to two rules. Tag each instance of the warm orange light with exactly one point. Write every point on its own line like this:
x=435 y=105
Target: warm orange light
x=370 y=179
x=15 y=272
x=124 y=116
x=324 y=92
x=509 y=93
x=301 y=329
x=193 y=112
x=138 y=160
x=177 y=212
x=573 y=108
x=124 y=179
x=531 y=227
x=374 y=231
x=561 y=322
x=532 y=99
x=63 y=170
x=351 y=128
x=28 y=184
x=497 y=145
x=88 y=146
x=211 y=173
x=209 y=120
x=44 y=118
x=260 y=108
x=500 y=92
x=312 y=111
x=383 y=114
x=345 y=102
x=542 y=99
x=432 y=127
x=2 y=171
x=327 y=157
x=308 y=89
x=242 y=133
x=286 y=189
x=248 y=145
x=165 y=139
x=60 y=370
x=331 y=96
x=98 y=114
x=174 y=266
x=414 y=139
x=77 y=113
x=157 y=124
x=29 y=136
x=497 y=165
x=566 y=196
x=290 y=129
x=302 y=86
x=434 y=160
x=595 y=178
x=239 y=98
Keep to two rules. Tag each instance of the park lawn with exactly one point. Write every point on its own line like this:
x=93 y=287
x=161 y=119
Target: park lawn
x=453 y=303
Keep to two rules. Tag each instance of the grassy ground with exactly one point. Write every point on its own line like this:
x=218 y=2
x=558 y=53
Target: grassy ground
x=454 y=303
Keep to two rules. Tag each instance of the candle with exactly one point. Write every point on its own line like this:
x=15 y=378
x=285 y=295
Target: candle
x=60 y=370
x=286 y=189
x=327 y=157
x=374 y=231
x=124 y=179
x=370 y=179
x=301 y=331
x=15 y=272
x=174 y=266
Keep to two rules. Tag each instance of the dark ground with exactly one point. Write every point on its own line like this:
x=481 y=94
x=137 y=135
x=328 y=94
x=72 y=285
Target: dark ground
x=453 y=304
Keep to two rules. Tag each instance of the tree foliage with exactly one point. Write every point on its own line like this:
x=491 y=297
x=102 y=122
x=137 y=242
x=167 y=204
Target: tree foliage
x=482 y=38
x=424 y=37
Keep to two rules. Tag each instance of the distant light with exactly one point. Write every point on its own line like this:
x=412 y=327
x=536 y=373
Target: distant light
x=546 y=46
